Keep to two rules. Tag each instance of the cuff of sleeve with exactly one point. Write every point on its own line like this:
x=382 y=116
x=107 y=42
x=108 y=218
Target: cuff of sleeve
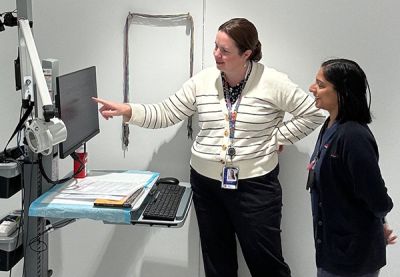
x=137 y=116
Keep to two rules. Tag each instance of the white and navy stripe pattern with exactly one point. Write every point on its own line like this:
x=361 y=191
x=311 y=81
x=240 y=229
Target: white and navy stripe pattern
x=260 y=125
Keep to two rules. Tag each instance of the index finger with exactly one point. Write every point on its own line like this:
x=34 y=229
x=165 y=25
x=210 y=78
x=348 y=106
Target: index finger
x=100 y=101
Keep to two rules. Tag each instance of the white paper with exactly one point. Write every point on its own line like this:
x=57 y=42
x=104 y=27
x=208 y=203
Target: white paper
x=113 y=186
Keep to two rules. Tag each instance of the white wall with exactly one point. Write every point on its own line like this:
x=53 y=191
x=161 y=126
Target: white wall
x=296 y=36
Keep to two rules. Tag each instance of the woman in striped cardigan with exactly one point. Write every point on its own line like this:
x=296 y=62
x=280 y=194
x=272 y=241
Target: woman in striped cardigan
x=241 y=105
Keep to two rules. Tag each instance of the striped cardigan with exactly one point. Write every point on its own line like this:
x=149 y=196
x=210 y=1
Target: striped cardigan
x=260 y=125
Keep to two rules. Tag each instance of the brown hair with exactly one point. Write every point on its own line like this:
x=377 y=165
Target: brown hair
x=245 y=35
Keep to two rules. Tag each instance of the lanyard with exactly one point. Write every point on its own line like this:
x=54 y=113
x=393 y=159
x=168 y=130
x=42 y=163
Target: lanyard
x=233 y=109
x=232 y=115
x=323 y=141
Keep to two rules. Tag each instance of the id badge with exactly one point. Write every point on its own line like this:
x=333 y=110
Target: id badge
x=310 y=179
x=311 y=174
x=230 y=178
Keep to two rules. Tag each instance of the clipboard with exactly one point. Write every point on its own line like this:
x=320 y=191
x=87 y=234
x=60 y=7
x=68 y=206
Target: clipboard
x=126 y=202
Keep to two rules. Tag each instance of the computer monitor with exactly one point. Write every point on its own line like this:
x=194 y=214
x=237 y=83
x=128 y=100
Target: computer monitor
x=77 y=109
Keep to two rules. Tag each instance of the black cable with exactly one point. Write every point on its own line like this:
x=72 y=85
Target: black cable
x=19 y=134
x=62 y=223
x=63 y=180
x=20 y=124
x=52 y=227
x=14 y=11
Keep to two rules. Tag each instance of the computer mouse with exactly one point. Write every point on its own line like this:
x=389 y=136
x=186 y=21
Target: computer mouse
x=168 y=180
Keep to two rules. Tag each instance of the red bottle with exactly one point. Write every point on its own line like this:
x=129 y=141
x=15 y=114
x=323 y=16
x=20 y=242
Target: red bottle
x=82 y=156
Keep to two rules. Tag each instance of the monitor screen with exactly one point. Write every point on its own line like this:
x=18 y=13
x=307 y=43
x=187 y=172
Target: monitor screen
x=77 y=109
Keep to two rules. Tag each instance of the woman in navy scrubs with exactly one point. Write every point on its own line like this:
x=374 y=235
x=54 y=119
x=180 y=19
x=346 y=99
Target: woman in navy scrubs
x=349 y=197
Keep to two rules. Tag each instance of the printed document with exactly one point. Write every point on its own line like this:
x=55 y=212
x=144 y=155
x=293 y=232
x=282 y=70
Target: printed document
x=112 y=186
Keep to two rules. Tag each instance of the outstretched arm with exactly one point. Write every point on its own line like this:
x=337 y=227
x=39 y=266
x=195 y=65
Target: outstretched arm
x=110 y=109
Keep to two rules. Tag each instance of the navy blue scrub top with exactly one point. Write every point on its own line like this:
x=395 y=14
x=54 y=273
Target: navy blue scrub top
x=320 y=150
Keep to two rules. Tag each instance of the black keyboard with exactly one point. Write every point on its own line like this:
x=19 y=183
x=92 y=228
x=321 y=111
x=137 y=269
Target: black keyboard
x=165 y=202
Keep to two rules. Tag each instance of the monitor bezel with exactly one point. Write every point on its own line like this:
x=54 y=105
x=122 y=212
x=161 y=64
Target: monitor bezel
x=63 y=151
